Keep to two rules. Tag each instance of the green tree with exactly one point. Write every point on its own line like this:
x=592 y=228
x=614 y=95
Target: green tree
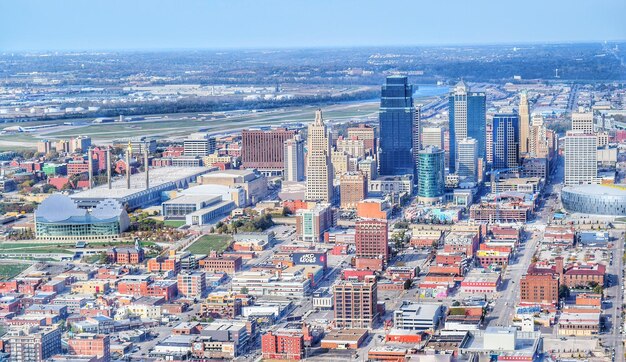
x=245 y=290
x=564 y=292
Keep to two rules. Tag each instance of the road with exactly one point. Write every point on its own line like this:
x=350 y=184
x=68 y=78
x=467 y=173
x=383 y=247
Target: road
x=503 y=308
x=615 y=293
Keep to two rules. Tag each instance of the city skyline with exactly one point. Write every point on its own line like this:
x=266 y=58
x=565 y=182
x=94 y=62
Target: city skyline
x=117 y=25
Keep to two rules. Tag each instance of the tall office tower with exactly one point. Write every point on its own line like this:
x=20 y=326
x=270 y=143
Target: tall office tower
x=467 y=160
x=489 y=141
x=366 y=134
x=524 y=123
x=319 y=180
x=505 y=141
x=294 y=159
x=352 y=189
x=396 y=119
x=371 y=239
x=431 y=175
x=581 y=165
x=538 y=142
x=355 y=303
x=432 y=136
x=417 y=139
x=583 y=121
x=468 y=119
x=265 y=150
x=199 y=144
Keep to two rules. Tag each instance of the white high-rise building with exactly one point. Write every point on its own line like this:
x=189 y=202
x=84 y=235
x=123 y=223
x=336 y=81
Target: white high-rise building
x=538 y=141
x=199 y=144
x=524 y=123
x=432 y=136
x=294 y=159
x=582 y=121
x=581 y=159
x=467 y=160
x=319 y=180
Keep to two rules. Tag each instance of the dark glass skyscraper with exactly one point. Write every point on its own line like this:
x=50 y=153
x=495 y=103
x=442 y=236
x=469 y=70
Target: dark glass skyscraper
x=396 y=124
x=467 y=119
x=505 y=141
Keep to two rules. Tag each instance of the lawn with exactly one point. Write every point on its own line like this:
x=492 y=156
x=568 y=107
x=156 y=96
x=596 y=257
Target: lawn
x=207 y=243
x=174 y=223
x=11 y=271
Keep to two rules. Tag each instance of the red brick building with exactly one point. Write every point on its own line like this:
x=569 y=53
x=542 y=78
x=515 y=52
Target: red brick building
x=161 y=264
x=371 y=239
x=148 y=288
x=539 y=288
x=264 y=150
x=283 y=345
x=126 y=255
x=88 y=344
x=221 y=264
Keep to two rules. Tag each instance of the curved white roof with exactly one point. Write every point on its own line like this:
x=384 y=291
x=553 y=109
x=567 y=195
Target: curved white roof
x=58 y=207
x=596 y=190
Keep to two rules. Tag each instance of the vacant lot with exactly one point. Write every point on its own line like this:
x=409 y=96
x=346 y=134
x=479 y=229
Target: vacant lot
x=208 y=243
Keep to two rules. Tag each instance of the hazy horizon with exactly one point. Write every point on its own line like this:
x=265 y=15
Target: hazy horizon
x=143 y=25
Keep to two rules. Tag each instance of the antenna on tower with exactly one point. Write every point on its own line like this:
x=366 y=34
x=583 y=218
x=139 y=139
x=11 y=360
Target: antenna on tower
x=556 y=73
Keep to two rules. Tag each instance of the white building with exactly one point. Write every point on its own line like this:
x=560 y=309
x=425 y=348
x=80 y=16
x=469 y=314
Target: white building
x=581 y=158
x=319 y=171
x=582 y=122
x=199 y=144
x=418 y=316
x=294 y=159
x=432 y=136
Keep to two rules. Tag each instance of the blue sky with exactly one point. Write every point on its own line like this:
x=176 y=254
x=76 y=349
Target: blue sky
x=158 y=24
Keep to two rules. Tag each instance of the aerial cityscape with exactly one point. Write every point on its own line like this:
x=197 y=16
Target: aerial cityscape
x=334 y=199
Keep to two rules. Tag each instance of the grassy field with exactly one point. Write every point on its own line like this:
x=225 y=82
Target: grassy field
x=207 y=243
x=11 y=271
x=174 y=223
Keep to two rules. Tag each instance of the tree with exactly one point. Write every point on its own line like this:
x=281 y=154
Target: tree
x=245 y=290
x=103 y=258
x=564 y=292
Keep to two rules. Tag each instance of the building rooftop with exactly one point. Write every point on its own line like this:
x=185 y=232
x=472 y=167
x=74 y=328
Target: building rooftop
x=158 y=176
x=597 y=190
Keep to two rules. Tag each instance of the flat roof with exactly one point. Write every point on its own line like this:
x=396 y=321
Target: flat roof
x=191 y=199
x=158 y=176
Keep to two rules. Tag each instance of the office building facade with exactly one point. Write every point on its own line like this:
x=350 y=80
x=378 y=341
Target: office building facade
x=371 y=239
x=467 y=161
x=431 y=175
x=581 y=165
x=467 y=119
x=199 y=144
x=505 y=136
x=524 y=123
x=294 y=159
x=396 y=124
x=319 y=171
x=432 y=136
x=355 y=303
x=265 y=150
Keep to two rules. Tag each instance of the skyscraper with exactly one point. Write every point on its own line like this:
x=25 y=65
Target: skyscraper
x=538 y=141
x=581 y=165
x=319 y=180
x=505 y=141
x=430 y=178
x=467 y=160
x=397 y=124
x=583 y=121
x=467 y=119
x=352 y=189
x=524 y=123
x=294 y=159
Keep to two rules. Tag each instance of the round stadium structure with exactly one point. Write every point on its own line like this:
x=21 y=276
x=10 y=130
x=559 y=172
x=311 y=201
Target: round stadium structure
x=595 y=199
x=59 y=218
